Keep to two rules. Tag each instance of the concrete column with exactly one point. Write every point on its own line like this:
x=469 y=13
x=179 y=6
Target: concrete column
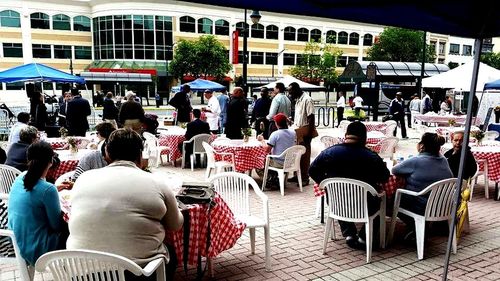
x=26 y=34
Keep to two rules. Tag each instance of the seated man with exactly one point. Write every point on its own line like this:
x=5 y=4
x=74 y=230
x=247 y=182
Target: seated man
x=122 y=209
x=193 y=128
x=279 y=140
x=352 y=160
x=453 y=157
x=16 y=156
x=23 y=118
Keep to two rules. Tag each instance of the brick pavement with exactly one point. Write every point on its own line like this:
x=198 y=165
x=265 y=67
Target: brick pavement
x=296 y=244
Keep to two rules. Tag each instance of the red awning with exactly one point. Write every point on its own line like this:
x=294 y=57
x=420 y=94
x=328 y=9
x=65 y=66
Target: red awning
x=189 y=78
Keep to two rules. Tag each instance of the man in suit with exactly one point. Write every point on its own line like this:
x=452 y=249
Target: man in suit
x=236 y=114
x=182 y=104
x=76 y=114
x=193 y=128
x=63 y=105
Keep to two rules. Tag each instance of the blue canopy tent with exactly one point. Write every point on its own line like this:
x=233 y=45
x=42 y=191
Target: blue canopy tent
x=495 y=85
x=463 y=18
x=35 y=72
x=201 y=85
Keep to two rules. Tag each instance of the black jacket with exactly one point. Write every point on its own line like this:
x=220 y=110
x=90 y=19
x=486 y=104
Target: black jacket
x=236 y=118
x=454 y=162
x=196 y=127
x=76 y=114
x=16 y=157
x=109 y=110
x=182 y=103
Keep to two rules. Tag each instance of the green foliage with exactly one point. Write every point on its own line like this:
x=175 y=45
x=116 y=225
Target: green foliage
x=203 y=57
x=318 y=64
x=400 y=44
x=491 y=59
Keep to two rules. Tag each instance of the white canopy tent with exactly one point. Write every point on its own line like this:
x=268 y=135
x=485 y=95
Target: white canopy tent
x=460 y=77
x=287 y=80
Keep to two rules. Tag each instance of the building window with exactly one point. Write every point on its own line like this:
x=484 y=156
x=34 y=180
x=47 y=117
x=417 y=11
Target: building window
x=81 y=23
x=241 y=27
x=300 y=59
x=240 y=57
x=289 y=33
x=257 y=31
x=62 y=52
x=303 y=35
x=41 y=51
x=331 y=37
x=442 y=47
x=13 y=50
x=272 y=58
x=353 y=38
x=454 y=49
x=205 y=26
x=222 y=27
x=342 y=61
x=367 y=40
x=257 y=58
x=83 y=53
x=316 y=35
x=9 y=18
x=271 y=32
x=164 y=38
x=467 y=50
x=288 y=59
x=342 y=37
x=61 y=22
x=40 y=21
x=187 y=24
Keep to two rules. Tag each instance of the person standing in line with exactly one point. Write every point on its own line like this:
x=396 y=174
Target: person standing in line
x=414 y=108
x=426 y=104
x=259 y=113
x=280 y=104
x=236 y=114
x=358 y=104
x=182 y=104
x=109 y=110
x=445 y=106
x=131 y=113
x=223 y=102
x=396 y=109
x=157 y=100
x=212 y=111
x=76 y=114
x=340 y=108
x=63 y=105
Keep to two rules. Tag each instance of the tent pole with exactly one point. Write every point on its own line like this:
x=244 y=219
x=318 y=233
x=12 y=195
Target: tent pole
x=475 y=70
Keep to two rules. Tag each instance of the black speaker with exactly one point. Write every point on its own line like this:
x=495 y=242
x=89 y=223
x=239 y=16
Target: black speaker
x=30 y=89
x=52 y=131
x=65 y=88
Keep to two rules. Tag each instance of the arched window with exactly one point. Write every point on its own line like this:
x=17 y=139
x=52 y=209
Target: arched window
x=316 y=35
x=61 y=22
x=241 y=26
x=187 y=24
x=257 y=30
x=271 y=32
x=205 y=26
x=221 y=27
x=40 y=21
x=342 y=37
x=9 y=18
x=367 y=40
x=303 y=35
x=331 y=37
x=353 y=38
x=81 y=23
x=289 y=33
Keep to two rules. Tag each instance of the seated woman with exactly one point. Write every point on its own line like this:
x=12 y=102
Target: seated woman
x=421 y=171
x=16 y=156
x=34 y=213
x=96 y=159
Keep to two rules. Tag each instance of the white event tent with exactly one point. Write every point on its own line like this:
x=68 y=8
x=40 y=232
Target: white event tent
x=287 y=80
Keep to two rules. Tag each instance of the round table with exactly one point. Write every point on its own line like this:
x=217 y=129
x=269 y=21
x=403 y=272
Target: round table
x=372 y=137
x=247 y=155
x=489 y=151
x=60 y=143
x=171 y=137
x=69 y=161
x=375 y=126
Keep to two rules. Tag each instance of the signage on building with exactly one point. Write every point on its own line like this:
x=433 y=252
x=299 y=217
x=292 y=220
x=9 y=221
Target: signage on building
x=153 y=72
x=235 y=46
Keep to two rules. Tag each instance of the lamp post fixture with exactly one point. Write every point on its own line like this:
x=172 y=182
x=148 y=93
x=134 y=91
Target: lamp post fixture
x=255 y=17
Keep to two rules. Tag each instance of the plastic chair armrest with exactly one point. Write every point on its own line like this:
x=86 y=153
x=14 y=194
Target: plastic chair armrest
x=409 y=192
x=152 y=266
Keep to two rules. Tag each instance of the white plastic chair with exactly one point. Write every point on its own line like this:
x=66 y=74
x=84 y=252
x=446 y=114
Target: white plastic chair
x=391 y=127
x=234 y=188
x=4 y=124
x=155 y=150
x=198 y=149
x=69 y=265
x=329 y=141
x=387 y=147
x=438 y=208
x=347 y=201
x=64 y=177
x=491 y=135
x=421 y=129
x=291 y=165
x=343 y=125
x=479 y=173
x=218 y=166
x=7 y=176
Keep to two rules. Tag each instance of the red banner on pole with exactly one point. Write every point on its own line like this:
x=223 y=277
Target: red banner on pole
x=235 y=46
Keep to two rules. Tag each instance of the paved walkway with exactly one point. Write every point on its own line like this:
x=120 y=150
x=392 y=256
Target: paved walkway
x=297 y=237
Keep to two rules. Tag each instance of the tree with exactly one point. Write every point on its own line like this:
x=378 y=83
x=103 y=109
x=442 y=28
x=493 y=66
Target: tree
x=318 y=63
x=491 y=59
x=201 y=58
x=400 y=44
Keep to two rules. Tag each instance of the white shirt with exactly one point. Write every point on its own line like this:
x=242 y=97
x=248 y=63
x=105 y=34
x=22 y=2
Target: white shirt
x=14 y=132
x=304 y=107
x=213 y=116
x=358 y=102
x=341 y=102
x=415 y=105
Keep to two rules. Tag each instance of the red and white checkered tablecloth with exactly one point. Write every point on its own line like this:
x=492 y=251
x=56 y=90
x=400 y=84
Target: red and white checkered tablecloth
x=59 y=143
x=375 y=126
x=389 y=187
x=64 y=167
x=246 y=156
x=492 y=156
x=172 y=142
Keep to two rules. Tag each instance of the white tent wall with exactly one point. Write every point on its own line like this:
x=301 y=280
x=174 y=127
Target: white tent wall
x=490 y=98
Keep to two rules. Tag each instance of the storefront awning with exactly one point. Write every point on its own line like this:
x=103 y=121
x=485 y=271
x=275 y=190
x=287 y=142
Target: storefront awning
x=116 y=77
x=155 y=68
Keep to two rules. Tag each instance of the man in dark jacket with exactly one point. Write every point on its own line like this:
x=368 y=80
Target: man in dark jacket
x=76 y=114
x=260 y=111
x=193 y=128
x=236 y=114
x=453 y=156
x=396 y=109
x=109 y=109
x=16 y=156
x=182 y=104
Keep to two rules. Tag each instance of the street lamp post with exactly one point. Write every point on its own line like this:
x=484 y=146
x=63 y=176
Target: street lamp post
x=255 y=17
x=277 y=56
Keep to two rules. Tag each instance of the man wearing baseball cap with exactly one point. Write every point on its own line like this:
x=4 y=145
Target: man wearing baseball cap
x=279 y=140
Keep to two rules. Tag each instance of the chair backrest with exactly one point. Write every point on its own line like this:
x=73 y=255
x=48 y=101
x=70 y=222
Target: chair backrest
x=343 y=125
x=292 y=158
x=150 y=147
x=421 y=129
x=440 y=201
x=388 y=122
x=491 y=135
x=7 y=176
x=209 y=150
x=198 y=142
x=68 y=265
x=347 y=198
x=329 y=141
x=234 y=188
x=387 y=147
x=389 y=130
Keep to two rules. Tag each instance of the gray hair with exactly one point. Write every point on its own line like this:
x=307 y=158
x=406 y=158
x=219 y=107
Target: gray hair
x=28 y=134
